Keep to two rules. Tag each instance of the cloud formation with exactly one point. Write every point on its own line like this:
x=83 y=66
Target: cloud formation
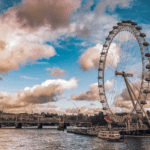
x=111 y=5
x=57 y=72
x=36 y=108
x=26 y=77
x=124 y=104
x=91 y=95
x=19 y=47
x=109 y=84
x=83 y=110
x=97 y=23
x=52 y=18
x=123 y=100
x=136 y=87
x=35 y=14
x=48 y=91
x=90 y=58
x=19 y=54
x=76 y=110
x=51 y=106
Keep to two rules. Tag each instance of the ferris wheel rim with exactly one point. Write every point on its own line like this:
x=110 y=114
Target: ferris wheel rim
x=134 y=30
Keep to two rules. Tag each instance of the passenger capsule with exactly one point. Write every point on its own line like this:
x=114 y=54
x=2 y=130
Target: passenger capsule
x=100 y=85
x=124 y=21
x=129 y=21
x=101 y=94
x=139 y=28
x=104 y=108
x=148 y=66
x=134 y=23
x=147 y=54
x=146 y=44
x=102 y=101
x=146 y=91
x=119 y=24
x=111 y=32
x=100 y=77
x=105 y=45
x=101 y=61
x=103 y=53
x=147 y=79
x=115 y=27
x=143 y=102
x=142 y=34
x=107 y=38
x=100 y=69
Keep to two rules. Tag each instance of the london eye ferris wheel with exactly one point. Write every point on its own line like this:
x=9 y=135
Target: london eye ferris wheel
x=124 y=71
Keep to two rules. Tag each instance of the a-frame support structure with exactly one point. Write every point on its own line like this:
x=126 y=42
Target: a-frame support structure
x=132 y=94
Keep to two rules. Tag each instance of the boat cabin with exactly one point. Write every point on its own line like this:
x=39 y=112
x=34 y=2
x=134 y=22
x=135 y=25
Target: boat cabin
x=109 y=135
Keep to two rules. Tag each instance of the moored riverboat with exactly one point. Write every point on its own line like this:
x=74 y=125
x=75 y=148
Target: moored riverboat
x=110 y=135
x=72 y=129
x=92 y=132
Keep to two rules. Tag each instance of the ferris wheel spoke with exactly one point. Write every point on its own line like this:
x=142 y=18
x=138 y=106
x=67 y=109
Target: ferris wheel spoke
x=130 y=61
x=134 y=86
x=110 y=65
x=117 y=89
x=127 y=46
x=110 y=68
x=112 y=92
x=134 y=61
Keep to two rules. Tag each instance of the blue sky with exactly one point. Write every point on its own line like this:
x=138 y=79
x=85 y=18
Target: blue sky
x=65 y=39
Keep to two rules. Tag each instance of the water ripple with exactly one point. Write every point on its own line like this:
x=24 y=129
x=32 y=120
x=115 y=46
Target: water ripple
x=35 y=139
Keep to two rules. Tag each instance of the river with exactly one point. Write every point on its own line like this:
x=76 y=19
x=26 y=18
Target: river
x=51 y=139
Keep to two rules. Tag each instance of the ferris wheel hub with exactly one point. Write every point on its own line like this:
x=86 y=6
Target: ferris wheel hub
x=123 y=74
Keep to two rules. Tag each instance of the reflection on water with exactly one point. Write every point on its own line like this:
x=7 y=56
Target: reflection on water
x=51 y=139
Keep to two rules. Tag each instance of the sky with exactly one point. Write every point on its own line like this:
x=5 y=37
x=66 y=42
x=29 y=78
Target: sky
x=49 y=51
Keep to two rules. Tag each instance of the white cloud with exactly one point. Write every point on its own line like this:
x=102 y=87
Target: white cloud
x=16 y=49
x=111 y=5
x=109 y=84
x=90 y=58
x=91 y=95
x=83 y=110
x=56 y=71
x=34 y=109
x=48 y=91
x=26 y=77
x=21 y=40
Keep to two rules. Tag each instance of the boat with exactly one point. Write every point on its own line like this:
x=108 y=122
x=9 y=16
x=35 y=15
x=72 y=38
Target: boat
x=91 y=132
x=83 y=131
x=72 y=129
x=80 y=130
x=110 y=135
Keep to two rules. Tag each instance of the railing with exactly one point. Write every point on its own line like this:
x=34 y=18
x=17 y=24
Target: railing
x=23 y=119
x=30 y=121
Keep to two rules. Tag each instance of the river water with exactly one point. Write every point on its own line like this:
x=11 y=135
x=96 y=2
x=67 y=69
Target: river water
x=51 y=139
